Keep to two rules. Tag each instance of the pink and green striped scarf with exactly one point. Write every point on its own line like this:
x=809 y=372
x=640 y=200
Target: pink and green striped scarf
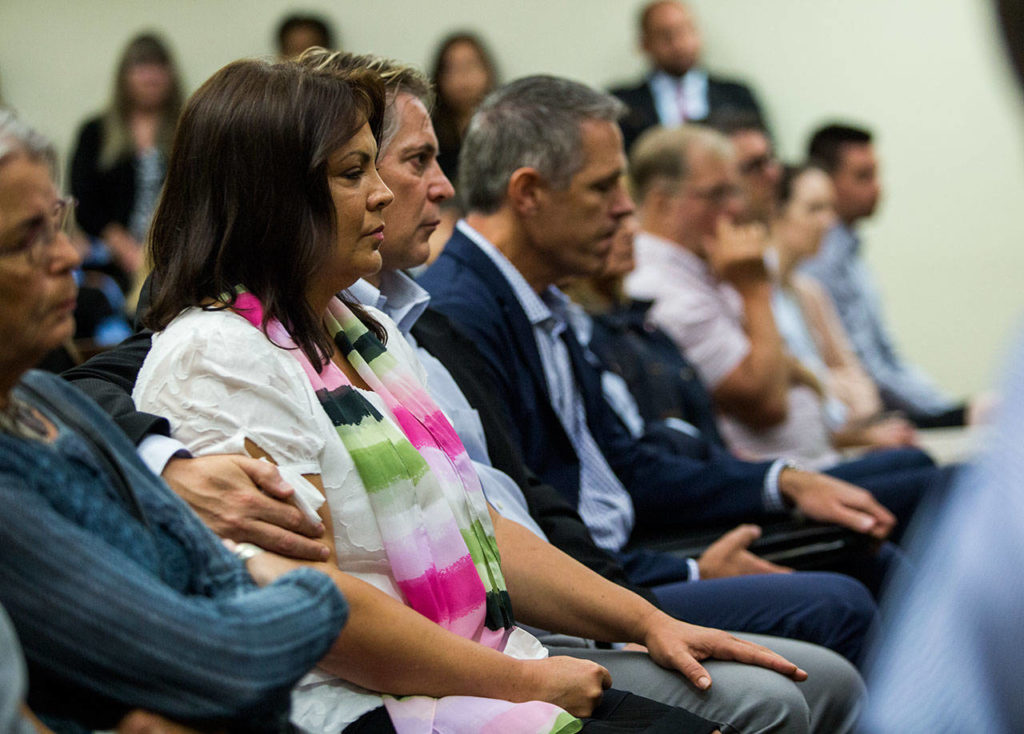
x=430 y=510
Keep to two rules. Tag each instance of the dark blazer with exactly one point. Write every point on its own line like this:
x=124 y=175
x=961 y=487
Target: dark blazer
x=723 y=95
x=556 y=517
x=695 y=485
x=660 y=378
x=109 y=378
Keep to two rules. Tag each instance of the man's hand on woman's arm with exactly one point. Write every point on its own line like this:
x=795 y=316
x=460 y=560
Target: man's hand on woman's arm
x=245 y=500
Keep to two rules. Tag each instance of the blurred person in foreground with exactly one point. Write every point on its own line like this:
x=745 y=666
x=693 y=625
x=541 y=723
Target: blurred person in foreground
x=949 y=656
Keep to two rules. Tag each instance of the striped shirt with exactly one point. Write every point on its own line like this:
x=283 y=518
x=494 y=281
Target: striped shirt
x=842 y=271
x=605 y=505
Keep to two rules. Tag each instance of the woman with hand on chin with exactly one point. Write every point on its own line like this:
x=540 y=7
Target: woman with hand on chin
x=808 y=321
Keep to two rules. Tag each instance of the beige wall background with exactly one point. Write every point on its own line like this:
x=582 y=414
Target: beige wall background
x=927 y=76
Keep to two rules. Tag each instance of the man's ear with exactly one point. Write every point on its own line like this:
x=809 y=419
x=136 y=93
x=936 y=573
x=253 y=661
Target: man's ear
x=660 y=197
x=526 y=188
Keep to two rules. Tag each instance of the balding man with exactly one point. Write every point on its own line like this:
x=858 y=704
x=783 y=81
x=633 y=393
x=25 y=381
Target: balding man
x=676 y=90
x=713 y=295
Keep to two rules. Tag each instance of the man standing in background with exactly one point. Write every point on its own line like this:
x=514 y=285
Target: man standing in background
x=677 y=90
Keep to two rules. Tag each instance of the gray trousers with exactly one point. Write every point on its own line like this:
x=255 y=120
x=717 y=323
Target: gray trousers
x=746 y=698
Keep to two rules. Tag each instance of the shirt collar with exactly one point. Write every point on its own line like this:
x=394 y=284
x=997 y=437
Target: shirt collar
x=845 y=239
x=693 y=79
x=650 y=247
x=400 y=297
x=541 y=309
x=666 y=89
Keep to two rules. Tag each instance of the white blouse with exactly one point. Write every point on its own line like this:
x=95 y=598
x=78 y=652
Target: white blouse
x=219 y=381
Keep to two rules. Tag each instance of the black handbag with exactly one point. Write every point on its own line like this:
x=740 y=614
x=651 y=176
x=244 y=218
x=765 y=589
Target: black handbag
x=799 y=543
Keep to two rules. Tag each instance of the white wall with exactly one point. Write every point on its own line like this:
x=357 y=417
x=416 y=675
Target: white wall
x=927 y=76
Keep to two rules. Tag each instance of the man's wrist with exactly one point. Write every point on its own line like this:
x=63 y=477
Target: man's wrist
x=156 y=452
x=786 y=475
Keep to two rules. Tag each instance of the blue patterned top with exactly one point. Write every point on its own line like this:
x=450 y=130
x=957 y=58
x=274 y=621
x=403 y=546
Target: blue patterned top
x=118 y=608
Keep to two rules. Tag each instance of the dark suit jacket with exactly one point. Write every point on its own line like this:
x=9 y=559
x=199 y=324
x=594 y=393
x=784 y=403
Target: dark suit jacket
x=109 y=378
x=660 y=378
x=694 y=485
x=723 y=95
x=557 y=518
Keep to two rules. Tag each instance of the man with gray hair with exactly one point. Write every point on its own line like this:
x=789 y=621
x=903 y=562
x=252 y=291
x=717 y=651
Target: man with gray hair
x=712 y=294
x=541 y=173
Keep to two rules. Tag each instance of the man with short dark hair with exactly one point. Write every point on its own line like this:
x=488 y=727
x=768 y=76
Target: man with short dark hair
x=758 y=167
x=298 y=32
x=849 y=156
x=677 y=90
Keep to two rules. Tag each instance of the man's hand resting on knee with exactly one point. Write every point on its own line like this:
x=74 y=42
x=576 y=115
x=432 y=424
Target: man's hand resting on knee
x=827 y=499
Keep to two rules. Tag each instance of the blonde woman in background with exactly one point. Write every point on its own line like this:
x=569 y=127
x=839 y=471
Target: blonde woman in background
x=120 y=157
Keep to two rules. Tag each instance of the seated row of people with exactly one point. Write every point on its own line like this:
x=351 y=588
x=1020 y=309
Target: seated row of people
x=739 y=323
x=403 y=508
x=531 y=224
x=679 y=89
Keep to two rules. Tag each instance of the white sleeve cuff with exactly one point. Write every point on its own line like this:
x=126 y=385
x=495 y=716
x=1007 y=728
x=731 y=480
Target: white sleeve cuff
x=771 y=493
x=691 y=563
x=156 y=450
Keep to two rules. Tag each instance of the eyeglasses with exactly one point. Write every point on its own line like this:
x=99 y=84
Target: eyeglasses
x=716 y=195
x=42 y=234
x=756 y=165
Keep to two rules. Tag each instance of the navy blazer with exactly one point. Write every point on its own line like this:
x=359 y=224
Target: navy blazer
x=690 y=485
x=723 y=95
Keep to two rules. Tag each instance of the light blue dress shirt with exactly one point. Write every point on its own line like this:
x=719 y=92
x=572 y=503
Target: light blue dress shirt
x=404 y=301
x=841 y=269
x=604 y=503
x=678 y=99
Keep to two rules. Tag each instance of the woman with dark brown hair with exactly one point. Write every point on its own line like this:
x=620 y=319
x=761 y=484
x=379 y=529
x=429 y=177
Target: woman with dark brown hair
x=120 y=157
x=463 y=73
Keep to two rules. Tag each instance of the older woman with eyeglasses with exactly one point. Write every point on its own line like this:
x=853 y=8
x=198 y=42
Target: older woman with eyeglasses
x=121 y=598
